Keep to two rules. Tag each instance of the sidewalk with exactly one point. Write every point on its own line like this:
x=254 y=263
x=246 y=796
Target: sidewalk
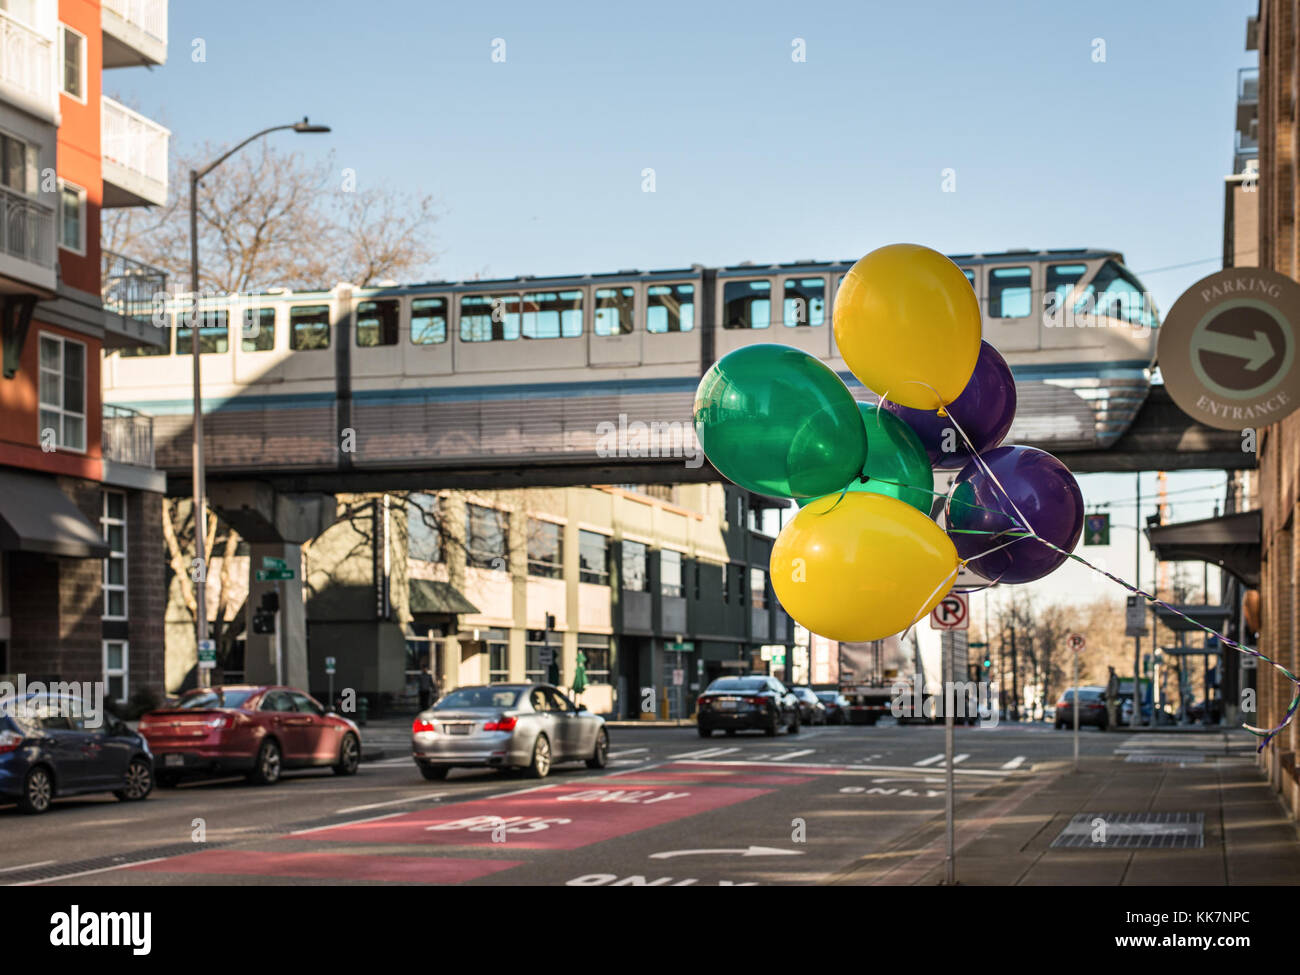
x=1004 y=836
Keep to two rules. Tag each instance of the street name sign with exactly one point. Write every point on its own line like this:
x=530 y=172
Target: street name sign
x=274 y=575
x=1096 y=529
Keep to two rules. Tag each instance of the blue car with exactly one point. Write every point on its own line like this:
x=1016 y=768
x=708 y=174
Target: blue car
x=50 y=747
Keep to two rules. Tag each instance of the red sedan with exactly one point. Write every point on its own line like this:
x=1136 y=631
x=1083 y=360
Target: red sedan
x=257 y=730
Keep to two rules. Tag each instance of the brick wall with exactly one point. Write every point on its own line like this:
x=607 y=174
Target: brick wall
x=146 y=590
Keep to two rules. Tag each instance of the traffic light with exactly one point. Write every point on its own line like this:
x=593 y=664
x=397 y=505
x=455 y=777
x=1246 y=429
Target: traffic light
x=988 y=661
x=264 y=615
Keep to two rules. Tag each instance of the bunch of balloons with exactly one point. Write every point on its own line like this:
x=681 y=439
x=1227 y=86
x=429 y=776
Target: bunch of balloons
x=863 y=558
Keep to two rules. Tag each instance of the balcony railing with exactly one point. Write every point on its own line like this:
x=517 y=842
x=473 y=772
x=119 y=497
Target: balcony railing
x=148 y=15
x=135 y=143
x=26 y=60
x=130 y=287
x=26 y=228
x=127 y=436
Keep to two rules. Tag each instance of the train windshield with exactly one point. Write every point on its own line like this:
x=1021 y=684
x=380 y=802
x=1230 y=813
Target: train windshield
x=1114 y=292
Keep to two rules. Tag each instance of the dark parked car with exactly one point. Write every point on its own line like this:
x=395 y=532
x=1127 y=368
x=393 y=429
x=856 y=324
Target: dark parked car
x=747 y=703
x=811 y=709
x=253 y=729
x=52 y=746
x=836 y=705
x=1092 y=708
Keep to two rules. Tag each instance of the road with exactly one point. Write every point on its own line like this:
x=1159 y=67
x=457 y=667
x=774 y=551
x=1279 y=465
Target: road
x=672 y=809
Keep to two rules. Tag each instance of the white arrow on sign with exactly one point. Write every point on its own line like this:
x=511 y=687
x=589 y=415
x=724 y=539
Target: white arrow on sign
x=752 y=851
x=1256 y=351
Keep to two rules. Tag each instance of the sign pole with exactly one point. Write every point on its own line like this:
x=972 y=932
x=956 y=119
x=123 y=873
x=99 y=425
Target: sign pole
x=279 y=644
x=1075 y=709
x=949 y=700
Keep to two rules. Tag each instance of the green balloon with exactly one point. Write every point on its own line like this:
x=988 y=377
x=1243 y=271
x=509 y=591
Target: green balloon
x=778 y=421
x=897 y=464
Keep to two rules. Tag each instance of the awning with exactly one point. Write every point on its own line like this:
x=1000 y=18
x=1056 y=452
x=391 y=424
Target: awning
x=1231 y=542
x=430 y=596
x=35 y=516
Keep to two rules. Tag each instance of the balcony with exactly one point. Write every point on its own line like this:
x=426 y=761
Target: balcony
x=27 y=68
x=127 y=436
x=26 y=245
x=135 y=32
x=135 y=157
x=130 y=289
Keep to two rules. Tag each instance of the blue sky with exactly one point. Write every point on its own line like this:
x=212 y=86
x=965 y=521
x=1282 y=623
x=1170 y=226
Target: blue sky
x=537 y=161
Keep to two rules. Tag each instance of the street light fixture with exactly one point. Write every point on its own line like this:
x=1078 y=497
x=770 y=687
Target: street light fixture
x=200 y=487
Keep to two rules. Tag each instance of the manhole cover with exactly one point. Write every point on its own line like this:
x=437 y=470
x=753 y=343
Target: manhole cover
x=1161 y=758
x=1128 y=830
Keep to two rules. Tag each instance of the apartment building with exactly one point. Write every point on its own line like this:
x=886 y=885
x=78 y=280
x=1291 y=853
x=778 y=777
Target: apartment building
x=81 y=569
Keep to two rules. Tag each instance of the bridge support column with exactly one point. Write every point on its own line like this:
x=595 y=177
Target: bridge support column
x=275 y=526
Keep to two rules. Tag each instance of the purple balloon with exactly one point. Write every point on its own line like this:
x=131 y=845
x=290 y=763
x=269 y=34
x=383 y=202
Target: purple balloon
x=1043 y=490
x=984 y=409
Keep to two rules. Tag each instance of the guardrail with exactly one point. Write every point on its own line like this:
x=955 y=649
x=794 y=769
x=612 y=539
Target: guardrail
x=129 y=287
x=149 y=15
x=26 y=59
x=127 y=436
x=26 y=228
x=134 y=142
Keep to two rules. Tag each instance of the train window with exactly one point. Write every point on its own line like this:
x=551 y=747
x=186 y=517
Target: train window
x=214 y=333
x=970 y=275
x=747 y=304
x=614 y=309
x=1010 y=289
x=377 y=323
x=1115 y=293
x=488 y=318
x=428 y=321
x=258 y=331
x=552 y=315
x=309 y=327
x=133 y=351
x=804 y=302
x=1061 y=279
x=670 y=308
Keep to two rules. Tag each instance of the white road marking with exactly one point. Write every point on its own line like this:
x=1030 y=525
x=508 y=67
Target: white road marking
x=705 y=753
x=1015 y=762
x=394 y=802
x=87 y=873
x=959 y=758
x=388 y=762
x=627 y=751
x=27 y=866
x=931 y=760
x=354 y=822
x=789 y=755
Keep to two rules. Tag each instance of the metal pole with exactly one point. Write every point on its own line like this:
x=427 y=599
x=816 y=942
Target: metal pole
x=197 y=473
x=1074 y=710
x=949 y=698
x=1137 y=640
x=1015 y=678
x=279 y=642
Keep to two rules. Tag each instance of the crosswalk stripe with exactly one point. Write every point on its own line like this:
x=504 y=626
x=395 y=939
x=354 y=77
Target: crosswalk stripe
x=789 y=755
x=1015 y=762
x=959 y=758
x=706 y=753
x=931 y=760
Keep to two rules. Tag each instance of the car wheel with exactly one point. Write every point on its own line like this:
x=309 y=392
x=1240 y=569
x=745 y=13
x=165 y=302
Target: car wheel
x=793 y=727
x=705 y=732
x=349 y=755
x=434 y=773
x=540 y=766
x=771 y=728
x=600 y=757
x=38 y=791
x=139 y=781
x=266 y=767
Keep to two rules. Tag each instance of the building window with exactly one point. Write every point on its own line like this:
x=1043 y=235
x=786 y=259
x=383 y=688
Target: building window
x=112 y=524
x=758 y=588
x=498 y=646
x=747 y=304
x=614 y=310
x=805 y=302
x=18 y=167
x=593 y=558
x=534 y=669
x=377 y=323
x=634 y=567
x=428 y=321
x=670 y=308
x=552 y=315
x=63 y=393
x=596 y=649
x=423 y=521
x=214 y=333
x=545 y=549
x=670 y=572
x=309 y=327
x=486 y=538
x=258 y=330
x=1010 y=289
x=72 y=218
x=74 y=63
x=116 y=670
x=696 y=573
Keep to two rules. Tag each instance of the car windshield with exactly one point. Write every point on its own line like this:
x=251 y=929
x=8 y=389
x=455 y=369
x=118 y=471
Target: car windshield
x=827 y=695
x=217 y=698
x=739 y=684
x=480 y=697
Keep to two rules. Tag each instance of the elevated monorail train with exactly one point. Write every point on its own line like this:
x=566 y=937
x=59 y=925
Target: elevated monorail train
x=429 y=374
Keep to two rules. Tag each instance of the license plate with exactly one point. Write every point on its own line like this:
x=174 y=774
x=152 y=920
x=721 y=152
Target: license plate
x=173 y=759
x=729 y=705
x=456 y=729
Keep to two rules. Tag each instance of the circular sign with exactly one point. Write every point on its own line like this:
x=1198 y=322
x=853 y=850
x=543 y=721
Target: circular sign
x=1227 y=349
x=1076 y=642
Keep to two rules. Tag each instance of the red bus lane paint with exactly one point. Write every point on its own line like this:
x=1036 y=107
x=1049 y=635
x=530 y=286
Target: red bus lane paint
x=329 y=866
x=557 y=817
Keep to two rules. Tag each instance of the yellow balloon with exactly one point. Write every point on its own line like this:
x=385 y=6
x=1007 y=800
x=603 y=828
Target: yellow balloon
x=861 y=567
x=907 y=323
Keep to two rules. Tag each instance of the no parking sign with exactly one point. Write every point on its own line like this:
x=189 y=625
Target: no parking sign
x=952 y=613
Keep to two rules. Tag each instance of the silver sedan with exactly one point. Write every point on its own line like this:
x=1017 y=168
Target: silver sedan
x=508 y=726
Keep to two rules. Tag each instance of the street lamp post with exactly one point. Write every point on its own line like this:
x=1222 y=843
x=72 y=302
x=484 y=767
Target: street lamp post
x=200 y=487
